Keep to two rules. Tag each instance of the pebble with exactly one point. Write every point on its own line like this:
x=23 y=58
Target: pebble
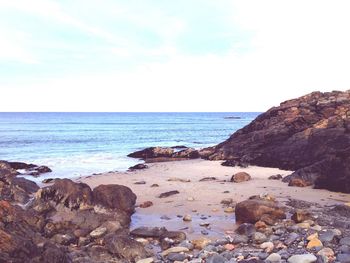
x=190 y=199
x=187 y=218
x=292 y=237
x=327 y=236
x=177 y=257
x=216 y=259
x=304 y=225
x=174 y=250
x=267 y=246
x=314 y=243
x=327 y=252
x=229 y=247
x=98 y=232
x=304 y=258
x=200 y=243
x=259 y=237
x=146 y=260
x=274 y=257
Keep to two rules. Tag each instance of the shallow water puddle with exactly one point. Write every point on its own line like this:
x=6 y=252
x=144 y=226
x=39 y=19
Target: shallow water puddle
x=213 y=226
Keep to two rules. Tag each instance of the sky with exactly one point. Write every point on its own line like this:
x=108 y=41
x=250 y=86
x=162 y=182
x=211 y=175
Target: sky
x=166 y=55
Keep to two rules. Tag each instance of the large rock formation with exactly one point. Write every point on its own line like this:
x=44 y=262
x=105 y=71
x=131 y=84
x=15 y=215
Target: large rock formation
x=309 y=133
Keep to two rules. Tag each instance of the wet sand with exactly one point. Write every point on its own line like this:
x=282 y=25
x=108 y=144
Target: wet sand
x=202 y=200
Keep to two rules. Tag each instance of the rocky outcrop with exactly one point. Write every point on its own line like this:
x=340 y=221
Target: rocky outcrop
x=309 y=133
x=11 y=168
x=163 y=154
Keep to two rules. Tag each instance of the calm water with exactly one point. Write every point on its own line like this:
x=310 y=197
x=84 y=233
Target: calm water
x=74 y=144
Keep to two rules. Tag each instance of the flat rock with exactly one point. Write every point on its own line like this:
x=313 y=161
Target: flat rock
x=167 y=194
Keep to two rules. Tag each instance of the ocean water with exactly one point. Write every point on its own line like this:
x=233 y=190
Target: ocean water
x=75 y=144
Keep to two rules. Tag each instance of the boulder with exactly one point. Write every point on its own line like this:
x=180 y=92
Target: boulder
x=253 y=210
x=125 y=247
x=67 y=193
x=115 y=196
x=240 y=177
x=164 y=154
x=306 y=133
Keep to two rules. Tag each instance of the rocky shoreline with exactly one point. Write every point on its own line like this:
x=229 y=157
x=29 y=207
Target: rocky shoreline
x=73 y=221
x=70 y=222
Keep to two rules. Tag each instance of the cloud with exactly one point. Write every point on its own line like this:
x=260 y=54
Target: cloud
x=276 y=50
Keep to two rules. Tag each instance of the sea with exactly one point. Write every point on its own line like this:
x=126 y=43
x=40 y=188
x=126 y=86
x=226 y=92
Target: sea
x=81 y=144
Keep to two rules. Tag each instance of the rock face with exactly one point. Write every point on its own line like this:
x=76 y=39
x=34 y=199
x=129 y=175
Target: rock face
x=308 y=133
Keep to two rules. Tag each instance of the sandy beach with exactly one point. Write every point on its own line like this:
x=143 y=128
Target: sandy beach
x=202 y=200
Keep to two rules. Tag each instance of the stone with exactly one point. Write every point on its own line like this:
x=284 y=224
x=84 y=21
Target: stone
x=98 y=232
x=187 y=218
x=312 y=236
x=174 y=250
x=167 y=194
x=327 y=236
x=240 y=177
x=251 y=211
x=259 y=237
x=216 y=259
x=291 y=238
x=227 y=201
x=139 y=166
x=304 y=258
x=229 y=247
x=267 y=246
x=300 y=216
x=140 y=182
x=327 y=253
x=177 y=257
x=314 y=243
x=66 y=192
x=177 y=179
x=298 y=182
x=125 y=247
x=206 y=179
x=275 y=177
x=274 y=258
x=154 y=232
x=146 y=260
x=115 y=196
x=246 y=229
x=146 y=204
x=200 y=243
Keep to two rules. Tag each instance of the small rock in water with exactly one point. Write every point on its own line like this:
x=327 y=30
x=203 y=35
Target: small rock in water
x=165 y=217
x=205 y=179
x=205 y=232
x=155 y=185
x=227 y=201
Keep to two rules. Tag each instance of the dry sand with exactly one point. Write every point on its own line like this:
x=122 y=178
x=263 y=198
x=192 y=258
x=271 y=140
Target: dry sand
x=207 y=195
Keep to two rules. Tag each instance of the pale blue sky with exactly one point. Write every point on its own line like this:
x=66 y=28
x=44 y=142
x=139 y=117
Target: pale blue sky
x=147 y=55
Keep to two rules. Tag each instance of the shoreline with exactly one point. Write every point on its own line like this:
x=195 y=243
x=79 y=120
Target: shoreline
x=203 y=199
